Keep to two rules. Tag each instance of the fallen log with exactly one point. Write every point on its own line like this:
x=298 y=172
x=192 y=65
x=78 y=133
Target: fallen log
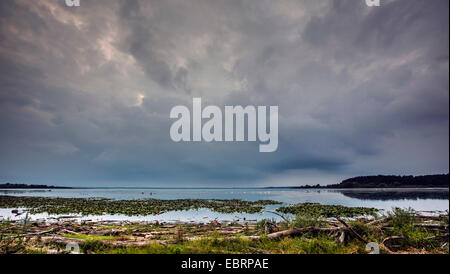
x=341 y=238
x=60 y=240
x=118 y=244
x=352 y=231
x=37 y=233
x=392 y=238
x=299 y=231
x=69 y=232
x=66 y=217
x=162 y=232
x=278 y=214
x=230 y=232
x=438 y=237
x=433 y=217
x=276 y=235
x=436 y=226
x=380 y=221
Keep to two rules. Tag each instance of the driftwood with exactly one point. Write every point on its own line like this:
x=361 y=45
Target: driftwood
x=352 y=231
x=66 y=217
x=438 y=237
x=433 y=226
x=162 y=232
x=333 y=223
x=60 y=240
x=120 y=244
x=381 y=221
x=276 y=235
x=69 y=232
x=433 y=217
x=278 y=214
x=231 y=232
x=392 y=238
x=341 y=238
x=430 y=217
x=296 y=232
x=38 y=233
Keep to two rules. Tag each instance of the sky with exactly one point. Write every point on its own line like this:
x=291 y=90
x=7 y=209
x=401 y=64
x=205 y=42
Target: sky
x=86 y=92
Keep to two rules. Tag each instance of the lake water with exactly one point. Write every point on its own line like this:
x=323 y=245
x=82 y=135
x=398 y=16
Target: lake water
x=385 y=199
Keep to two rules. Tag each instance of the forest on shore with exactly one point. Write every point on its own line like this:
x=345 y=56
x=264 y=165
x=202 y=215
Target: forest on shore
x=391 y=181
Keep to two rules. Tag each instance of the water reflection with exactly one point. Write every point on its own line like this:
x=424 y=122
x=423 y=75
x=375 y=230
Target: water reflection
x=396 y=194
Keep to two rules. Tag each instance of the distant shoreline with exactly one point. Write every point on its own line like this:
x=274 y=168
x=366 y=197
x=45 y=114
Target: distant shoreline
x=363 y=182
x=24 y=186
x=357 y=188
x=383 y=181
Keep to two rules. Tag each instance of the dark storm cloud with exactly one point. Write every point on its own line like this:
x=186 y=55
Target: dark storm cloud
x=86 y=92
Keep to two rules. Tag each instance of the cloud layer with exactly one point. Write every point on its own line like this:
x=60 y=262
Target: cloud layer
x=86 y=92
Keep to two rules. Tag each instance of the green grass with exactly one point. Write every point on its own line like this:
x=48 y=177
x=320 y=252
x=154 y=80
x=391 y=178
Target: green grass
x=402 y=224
x=92 y=237
x=320 y=245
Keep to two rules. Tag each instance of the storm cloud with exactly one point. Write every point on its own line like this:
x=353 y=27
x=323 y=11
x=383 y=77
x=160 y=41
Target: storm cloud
x=86 y=92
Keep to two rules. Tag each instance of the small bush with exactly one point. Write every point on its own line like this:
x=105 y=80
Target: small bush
x=402 y=218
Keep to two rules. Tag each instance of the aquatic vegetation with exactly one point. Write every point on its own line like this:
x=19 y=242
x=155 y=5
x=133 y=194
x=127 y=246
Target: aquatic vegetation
x=95 y=206
x=314 y=210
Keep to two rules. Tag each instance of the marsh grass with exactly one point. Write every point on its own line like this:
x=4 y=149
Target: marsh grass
x=323 y=244
x=301 y=221
x=402 y=220
x=403 y=223
x=13 y=241
x=97 y=206
x=95 y=237
x=315 y=210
